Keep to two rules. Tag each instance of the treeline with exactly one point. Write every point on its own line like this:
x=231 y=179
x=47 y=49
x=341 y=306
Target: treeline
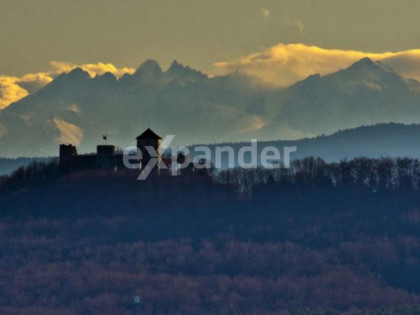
x=360 y=173
x=9 y=165
x=309 y=180
x=33 y=175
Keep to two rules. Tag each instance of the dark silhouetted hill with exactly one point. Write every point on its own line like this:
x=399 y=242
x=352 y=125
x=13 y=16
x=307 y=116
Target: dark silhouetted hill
x=318 y=238
x=7 y=166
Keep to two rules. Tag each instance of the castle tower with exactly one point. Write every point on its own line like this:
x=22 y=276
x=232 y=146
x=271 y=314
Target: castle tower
x=67 y=152
x=149 y=139
x=105 y=156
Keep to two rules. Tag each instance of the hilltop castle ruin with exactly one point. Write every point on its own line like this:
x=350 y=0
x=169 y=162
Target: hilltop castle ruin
x=108 y=158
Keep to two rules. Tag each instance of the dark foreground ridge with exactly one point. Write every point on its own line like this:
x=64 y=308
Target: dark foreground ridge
x=314 y=238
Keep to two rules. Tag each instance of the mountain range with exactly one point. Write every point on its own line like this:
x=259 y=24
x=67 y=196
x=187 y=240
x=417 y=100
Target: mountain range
x=197 y=108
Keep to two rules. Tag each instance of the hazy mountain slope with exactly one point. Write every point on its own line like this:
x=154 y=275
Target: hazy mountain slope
x=365 y=93
x=78 y=109
x=383 y=140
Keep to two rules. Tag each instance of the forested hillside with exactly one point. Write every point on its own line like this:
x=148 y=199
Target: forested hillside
x=317 y=237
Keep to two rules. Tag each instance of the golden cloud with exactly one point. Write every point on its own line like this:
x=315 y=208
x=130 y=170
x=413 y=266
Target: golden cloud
x=10 y=91
x=69 y=133
x=14 y=88
x=3 y=131
x=32 y=82
x=92 y=68
x=253 y=123
x=265 y=13
x=283 y=65
x=299 y=24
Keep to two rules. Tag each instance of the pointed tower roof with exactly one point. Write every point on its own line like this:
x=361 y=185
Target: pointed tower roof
x=149 y=134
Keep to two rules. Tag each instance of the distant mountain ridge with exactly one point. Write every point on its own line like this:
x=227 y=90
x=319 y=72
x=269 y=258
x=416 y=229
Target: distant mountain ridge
x=364 y=94
x=75 y=108
x=389 y=140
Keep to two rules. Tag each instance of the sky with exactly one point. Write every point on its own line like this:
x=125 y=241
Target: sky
x=43 y=37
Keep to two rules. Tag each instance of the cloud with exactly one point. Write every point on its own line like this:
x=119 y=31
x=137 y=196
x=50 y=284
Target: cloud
x=14 y=88
x=3 y=131
x=285 y=64
x=253 y=123
x=74 y=108
x=299 y=25
x=265 y=13
x=294 y=22
x=10 y=91
x=92 y=68
x=69 y=133
x=34 y=81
